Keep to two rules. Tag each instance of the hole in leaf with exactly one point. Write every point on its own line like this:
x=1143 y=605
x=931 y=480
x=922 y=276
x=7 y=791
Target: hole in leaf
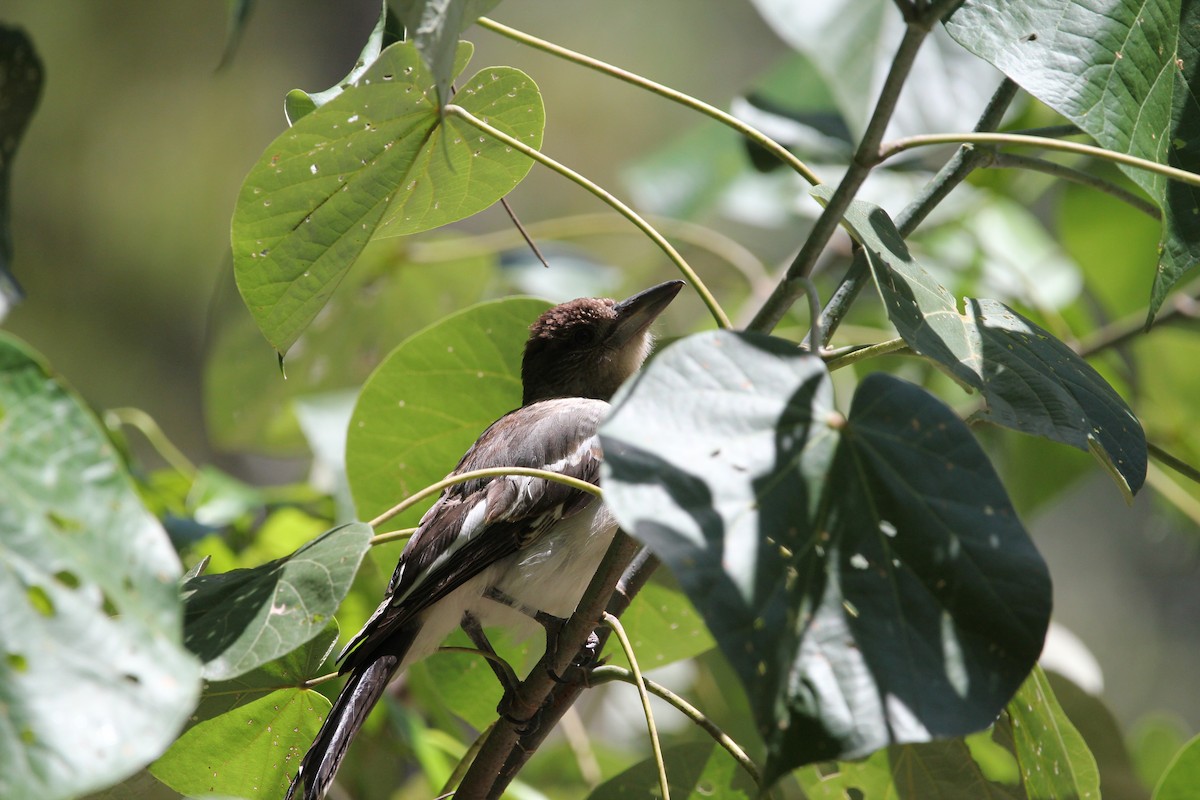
x=16 y=662
x=40 y=601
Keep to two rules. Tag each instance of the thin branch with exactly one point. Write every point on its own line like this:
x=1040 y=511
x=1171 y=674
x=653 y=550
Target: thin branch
x=1173 y=493
x=640 y=683
x=1181 y=306
x=865 y=352
x=952 y=173
x=748 y=131
x=1017 y=140
x=1046 y=167
x=391 y=536
x=1178 y=464
x=147 y=426
x=524 y=233
x=609 y=673
x=713 y=306
x=475 y=474
x=788 y=290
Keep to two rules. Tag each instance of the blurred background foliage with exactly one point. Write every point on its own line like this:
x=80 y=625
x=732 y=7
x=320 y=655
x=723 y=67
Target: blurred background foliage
x=125 y=185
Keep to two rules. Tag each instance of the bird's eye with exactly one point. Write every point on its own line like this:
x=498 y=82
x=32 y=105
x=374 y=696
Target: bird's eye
x=583 y=335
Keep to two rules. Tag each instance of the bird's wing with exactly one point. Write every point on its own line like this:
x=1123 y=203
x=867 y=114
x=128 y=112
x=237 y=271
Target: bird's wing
x=477 y=523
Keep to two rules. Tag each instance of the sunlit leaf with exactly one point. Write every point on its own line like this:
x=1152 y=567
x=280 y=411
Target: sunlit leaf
x=693 y=770
x=867 y=578
x=663 y=627
x=239 y=620
x=94 y=680
x=1182 y=777
x=377 y=160
x=1125 y=74
x=1055 y=760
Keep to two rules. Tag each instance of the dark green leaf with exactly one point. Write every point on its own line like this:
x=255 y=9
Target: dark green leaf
x=1125 y=74
x=1182 y=776
x=697 y=770
x=1055 y=760
x=434 y=26
x=387 y=31
x=20 y=88
x=377 y=160
x=867 y=579
x=1030 y=380
x=238 y=620
x=94 y=680
x=431 y=398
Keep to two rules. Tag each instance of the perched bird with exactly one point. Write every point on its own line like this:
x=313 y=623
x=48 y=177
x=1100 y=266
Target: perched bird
x=491 y=546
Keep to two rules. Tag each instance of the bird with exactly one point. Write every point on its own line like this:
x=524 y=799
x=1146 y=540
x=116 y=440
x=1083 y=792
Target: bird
x=497 y=550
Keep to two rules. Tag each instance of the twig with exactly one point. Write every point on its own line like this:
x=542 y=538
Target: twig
x=751 y=133
x=640 y=683
x=1178 y=464
x=613 y=673
x=476 y=474
x=1013 y=160
x=1183 y=305
x=524 y=233
x=788 y=290
x=391 y=536
x=146 y=425
x=713 y=306
x=863 y=353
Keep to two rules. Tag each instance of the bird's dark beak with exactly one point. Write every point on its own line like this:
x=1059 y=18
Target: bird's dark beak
x=635 y=314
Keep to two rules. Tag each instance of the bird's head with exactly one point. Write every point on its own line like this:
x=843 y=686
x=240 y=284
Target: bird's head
x=590 y=346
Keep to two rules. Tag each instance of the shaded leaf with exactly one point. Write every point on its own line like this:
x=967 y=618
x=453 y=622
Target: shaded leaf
x=20 y=89
x=1124 y=73
x=94 y=680
x=434 y=26
x=1055 y=760
x=696 y=770
x=387 y=31
x=238 y=620
x=1030 y=380
x=867 y=578
x=377 y=160
x=431 y=398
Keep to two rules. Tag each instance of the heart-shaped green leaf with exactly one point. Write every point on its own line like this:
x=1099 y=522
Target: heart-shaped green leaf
x=1125 y=74
x=94 y=680
x=431 y=398
x=377 y=160
x=238 y=620
x=867 y=578
x=1031 y=381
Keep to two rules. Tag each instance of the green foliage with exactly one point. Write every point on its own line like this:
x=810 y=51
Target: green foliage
x=20 y=88
x=831 y=529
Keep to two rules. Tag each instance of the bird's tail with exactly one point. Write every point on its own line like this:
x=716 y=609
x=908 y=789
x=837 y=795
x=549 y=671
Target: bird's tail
x=362 y=691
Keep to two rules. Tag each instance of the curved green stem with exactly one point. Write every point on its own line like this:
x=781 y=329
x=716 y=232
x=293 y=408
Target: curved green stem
x=889 y=149
x=391 y=536
x=146 y=425
x=1015 y=161
x=326 y=678
x=863 y=353
x=640 y=682
x=476 y=474
x=751 y=133
x=713 y=306
x=614 y=673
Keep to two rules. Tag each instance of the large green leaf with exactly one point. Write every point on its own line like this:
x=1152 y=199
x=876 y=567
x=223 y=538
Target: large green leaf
x=431 y=398
x=434 y=26
x=377 y=160
x=867 y=578
x=20 y=88
x=239 y=620
x=1125 y=74
x=663 y=627
x=1030 y=380
x=94 y=680
x=251 y=732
